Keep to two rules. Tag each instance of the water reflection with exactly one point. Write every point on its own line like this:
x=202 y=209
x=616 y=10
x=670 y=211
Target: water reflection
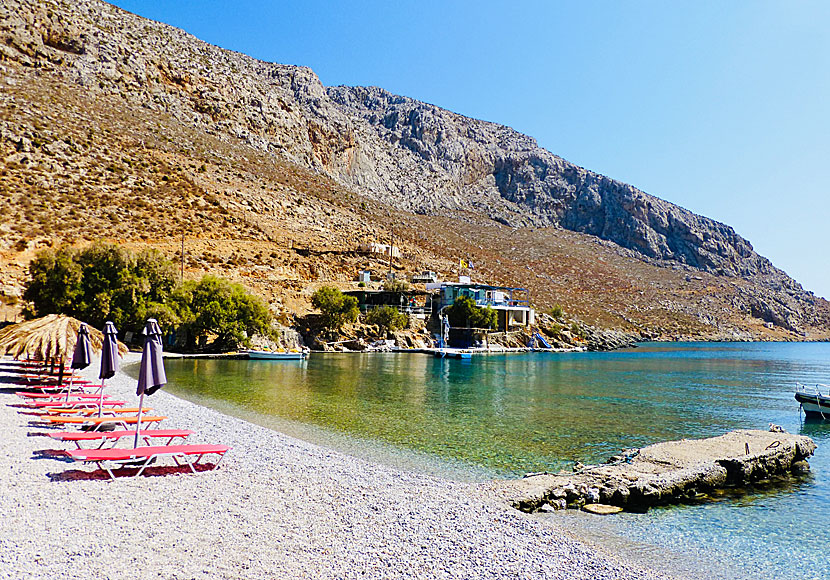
x=509 y=414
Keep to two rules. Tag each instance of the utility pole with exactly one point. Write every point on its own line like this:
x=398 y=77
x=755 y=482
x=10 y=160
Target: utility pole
x=391 y=242
x=182 y=273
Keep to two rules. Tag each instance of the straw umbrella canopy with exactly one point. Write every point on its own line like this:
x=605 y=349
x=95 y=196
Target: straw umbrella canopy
x=51 y=337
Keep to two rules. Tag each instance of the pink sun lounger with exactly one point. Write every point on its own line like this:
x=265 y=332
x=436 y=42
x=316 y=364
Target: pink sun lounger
x=141 y=457
x=113 y=436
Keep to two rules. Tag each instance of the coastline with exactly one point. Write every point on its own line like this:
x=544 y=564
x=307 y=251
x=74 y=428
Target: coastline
x=278 y=507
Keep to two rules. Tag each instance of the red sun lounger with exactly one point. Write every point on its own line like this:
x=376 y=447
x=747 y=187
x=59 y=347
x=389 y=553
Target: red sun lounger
x=113 y=436
x=141 y=457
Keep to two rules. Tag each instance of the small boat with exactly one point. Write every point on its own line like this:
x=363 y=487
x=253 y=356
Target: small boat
x=276 y=354
x=453 y=353
x=816 y=404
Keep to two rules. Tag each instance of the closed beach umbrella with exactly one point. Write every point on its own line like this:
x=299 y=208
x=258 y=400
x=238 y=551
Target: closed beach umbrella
x=109 y=359
x=109 y=352
x=151 y=376
x=82 y=356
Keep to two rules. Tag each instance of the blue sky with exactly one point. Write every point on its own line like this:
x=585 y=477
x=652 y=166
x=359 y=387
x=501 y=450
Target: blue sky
x=720 y=107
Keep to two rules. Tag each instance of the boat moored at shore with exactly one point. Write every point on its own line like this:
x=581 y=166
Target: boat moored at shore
x=276 y=355
x=816 y=404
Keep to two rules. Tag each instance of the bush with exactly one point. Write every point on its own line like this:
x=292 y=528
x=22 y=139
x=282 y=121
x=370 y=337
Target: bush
x=557 y=312
x=388 y=318
x=101 y=282
x=396 y=286
x=214 y=306
x=465 y=313
x=336 y=308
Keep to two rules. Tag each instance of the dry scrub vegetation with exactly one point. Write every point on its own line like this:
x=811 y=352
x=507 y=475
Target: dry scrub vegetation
x=77 y=168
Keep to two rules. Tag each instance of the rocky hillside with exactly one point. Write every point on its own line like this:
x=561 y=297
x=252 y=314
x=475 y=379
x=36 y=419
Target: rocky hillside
x=144 y=133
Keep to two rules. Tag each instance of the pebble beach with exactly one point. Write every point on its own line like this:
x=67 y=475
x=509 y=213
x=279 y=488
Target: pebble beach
x=277 y=508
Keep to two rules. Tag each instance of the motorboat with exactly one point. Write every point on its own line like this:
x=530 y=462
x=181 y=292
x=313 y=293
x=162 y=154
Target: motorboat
x=276 y=354
x=815 y=400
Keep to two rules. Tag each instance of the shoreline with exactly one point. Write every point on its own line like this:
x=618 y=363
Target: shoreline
x=278 y=507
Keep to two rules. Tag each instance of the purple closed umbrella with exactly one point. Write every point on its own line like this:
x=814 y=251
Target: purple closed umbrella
x=109 y=359
x=82 y=356
x=109 y=352
x=151 y=375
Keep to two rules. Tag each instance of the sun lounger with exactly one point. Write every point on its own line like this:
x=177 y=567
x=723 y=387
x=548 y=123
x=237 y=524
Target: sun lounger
x=141 y=457
x=113 y=436
x=39 y=395
x=110 y=411
x=72 y=403
x=94 y=423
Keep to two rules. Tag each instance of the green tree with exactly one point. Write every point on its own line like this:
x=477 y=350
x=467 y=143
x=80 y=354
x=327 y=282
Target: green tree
x=102 y=282
x=55 y=283
x=336 y=308
x=214 y=306
x=388 y=318
x=465 y=313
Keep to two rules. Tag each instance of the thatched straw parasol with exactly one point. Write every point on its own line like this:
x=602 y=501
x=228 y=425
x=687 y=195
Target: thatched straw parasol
x=50 y=337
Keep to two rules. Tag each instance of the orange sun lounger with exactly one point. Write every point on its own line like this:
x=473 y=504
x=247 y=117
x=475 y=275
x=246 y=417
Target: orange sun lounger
x=39 y=395
x=60 y=410
x=141 y=457
x=113 y=436
x=94 y=423
x=75 y=404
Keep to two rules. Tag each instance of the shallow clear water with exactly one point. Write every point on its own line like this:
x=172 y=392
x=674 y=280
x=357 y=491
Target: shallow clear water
x=504 y=415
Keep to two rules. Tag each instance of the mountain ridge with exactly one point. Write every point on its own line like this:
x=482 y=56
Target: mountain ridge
x=389 y=148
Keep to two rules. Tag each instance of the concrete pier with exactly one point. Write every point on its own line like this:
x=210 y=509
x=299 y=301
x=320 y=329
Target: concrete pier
x=669 y=472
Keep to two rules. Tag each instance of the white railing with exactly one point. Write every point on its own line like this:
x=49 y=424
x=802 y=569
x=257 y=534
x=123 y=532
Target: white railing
x=813 y=390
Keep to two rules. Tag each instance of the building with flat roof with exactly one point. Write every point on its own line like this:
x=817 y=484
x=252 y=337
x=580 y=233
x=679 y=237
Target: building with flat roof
x=512 y=305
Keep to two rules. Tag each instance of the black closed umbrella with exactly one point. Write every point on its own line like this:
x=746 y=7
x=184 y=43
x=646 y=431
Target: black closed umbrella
x=82 y=355
x=151 y=376
x=109 y=359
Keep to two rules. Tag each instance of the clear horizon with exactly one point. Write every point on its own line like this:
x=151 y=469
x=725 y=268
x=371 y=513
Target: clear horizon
x=718 y=108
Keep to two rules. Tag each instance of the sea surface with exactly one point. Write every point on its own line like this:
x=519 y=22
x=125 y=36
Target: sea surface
x=501 y=416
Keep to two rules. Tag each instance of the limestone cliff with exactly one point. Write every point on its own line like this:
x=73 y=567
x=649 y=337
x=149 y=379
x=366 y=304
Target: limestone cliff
x=404 y=153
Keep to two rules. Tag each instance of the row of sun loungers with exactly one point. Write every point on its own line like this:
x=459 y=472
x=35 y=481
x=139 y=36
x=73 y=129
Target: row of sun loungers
x=96 y=424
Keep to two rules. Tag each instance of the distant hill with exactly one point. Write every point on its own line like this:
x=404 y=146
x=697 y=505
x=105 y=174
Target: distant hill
x=114 y=126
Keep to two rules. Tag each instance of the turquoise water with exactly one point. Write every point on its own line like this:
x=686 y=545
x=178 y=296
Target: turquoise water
x=505 y=415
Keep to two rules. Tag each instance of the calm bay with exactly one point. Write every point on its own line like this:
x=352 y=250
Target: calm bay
x=500 y=416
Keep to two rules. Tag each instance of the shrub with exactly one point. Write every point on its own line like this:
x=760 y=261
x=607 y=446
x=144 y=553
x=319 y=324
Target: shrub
x=219 y=307
x=336 y=308
x=465 y=313
x=396 y=286
x=387 y=318
x=557 y=312
x=100 y=282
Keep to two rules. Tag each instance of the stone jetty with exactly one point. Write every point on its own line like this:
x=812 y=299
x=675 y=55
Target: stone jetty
x=670 y=472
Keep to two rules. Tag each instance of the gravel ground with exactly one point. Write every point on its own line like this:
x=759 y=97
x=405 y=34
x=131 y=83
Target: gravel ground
x=277 y=508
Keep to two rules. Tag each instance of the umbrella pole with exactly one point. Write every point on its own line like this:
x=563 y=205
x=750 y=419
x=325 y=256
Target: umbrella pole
x=101 y=399
x=138 y=423
x=69 y=388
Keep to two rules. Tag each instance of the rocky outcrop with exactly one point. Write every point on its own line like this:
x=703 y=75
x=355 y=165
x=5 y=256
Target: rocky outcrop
x=413 y=155
x=670 y=472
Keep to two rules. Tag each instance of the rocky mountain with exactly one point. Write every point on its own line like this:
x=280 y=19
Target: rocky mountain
x=405 y=155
